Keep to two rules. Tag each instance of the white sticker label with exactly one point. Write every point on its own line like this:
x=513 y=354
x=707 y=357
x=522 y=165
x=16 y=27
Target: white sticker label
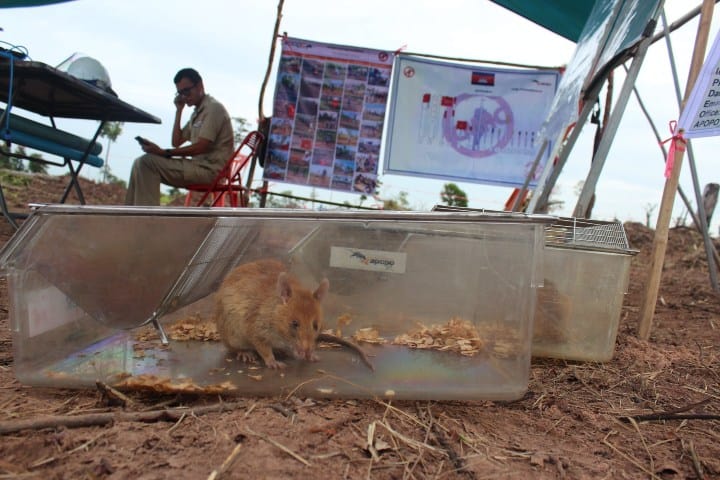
x=373 y=260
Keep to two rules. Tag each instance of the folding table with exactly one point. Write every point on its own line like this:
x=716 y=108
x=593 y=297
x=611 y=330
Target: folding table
x=45 y=90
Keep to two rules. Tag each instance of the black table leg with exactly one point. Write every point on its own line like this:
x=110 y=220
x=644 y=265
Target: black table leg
x=74 y=173
x=5 y=212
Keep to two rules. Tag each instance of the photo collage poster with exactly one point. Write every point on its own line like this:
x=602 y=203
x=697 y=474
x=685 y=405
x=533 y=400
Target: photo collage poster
x=328 y=114
x=467 y=123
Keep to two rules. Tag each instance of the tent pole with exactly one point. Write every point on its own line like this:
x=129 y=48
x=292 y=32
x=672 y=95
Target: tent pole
x=542 y=194
x=598 y=161
x=702 y=226
x=652 y=284
x=529 y=177
x=262 y=120
x=679 y=22
x=684 y=198
x=551 y=172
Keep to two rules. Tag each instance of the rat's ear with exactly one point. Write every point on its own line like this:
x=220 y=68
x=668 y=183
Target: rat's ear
x=322 y=290
x=284 y=289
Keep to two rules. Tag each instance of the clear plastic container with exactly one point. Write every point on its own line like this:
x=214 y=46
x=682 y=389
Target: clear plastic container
x=442 y=303
x=580 y=303
x=586 y=275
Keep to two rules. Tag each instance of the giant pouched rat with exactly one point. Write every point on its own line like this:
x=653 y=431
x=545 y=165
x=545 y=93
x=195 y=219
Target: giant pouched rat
x=262 y=309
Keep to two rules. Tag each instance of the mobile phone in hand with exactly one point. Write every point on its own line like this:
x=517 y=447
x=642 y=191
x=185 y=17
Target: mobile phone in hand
x=141 y=140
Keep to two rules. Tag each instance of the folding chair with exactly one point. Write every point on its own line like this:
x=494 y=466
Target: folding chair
x=228 y=181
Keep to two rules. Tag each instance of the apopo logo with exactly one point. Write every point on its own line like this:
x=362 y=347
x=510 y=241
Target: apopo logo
x=544 y=84
x=372 y=260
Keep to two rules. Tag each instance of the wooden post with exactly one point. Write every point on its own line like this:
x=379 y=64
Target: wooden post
x=652 y=285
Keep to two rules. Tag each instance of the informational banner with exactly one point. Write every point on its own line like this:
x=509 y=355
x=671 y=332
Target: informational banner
x=701 y=115
x=328 y=114
x=468 y=123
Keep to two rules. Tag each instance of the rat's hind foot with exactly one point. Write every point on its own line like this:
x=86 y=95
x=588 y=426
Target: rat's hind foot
x=246 y=356
x=274 y=364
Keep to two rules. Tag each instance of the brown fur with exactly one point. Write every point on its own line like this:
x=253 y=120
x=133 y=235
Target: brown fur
x=263 y=309
x=552 y=314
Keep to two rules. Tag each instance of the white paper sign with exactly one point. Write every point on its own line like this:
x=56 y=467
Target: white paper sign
x=701 y=115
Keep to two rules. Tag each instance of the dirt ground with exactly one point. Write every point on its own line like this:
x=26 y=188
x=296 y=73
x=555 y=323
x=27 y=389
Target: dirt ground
x=576 y=421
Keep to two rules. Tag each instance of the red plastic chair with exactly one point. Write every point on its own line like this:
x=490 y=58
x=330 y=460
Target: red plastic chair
x=228 y=181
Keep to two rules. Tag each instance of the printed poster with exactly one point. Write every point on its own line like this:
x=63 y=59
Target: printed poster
x=701 y=115
x=328 y=115
x=467 y=123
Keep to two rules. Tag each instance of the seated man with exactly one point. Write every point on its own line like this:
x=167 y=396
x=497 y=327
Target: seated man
x=210 y=133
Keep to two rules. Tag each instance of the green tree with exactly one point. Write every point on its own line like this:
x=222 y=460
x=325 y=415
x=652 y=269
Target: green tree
x=453 y=196
x=111 y=131
x=242 y=127
x=12 y=162
x=172 y=194
x=113 y=179
x=37 y=166
x=398 y=203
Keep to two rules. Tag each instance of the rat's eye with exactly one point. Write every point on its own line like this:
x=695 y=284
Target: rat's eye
x=294 y=324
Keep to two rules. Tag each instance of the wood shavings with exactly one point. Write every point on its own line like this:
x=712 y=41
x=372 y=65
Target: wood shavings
x=368 y=335
x=154 y=383
x=502 y=341
x=457 y=336
x=147 y=333
x=185 y=330
x=344 y=320
x=329 y=331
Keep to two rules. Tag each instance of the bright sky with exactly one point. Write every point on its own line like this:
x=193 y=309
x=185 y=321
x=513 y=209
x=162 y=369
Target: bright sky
x=143 y=44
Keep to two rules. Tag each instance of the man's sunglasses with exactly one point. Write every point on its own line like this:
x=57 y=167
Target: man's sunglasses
x=184 y=92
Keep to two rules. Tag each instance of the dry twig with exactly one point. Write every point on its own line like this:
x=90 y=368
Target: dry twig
x=280 y=446
x=68 y=453
x=457 y=462
x=112 y=396
x=177 y=424
x=409 y=441
x=642 y=439
x=215 y=474
x=697 y=466
x=629 y=458
x=98 y=419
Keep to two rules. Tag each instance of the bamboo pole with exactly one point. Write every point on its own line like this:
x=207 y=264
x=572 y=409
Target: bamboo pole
x=652 y=285
x=262 y=120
